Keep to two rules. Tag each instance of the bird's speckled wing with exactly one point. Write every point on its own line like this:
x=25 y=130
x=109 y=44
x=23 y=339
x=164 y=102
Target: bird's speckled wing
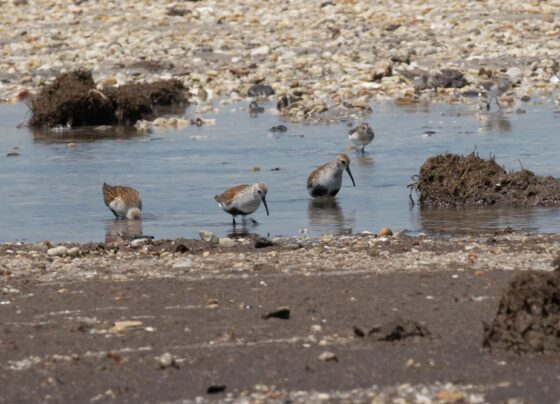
x=128 y=195
x=228 y=196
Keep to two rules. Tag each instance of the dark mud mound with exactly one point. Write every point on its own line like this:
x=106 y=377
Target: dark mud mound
x=73 y=99
x=395 y=330
x=528 y=318
x=453 y=180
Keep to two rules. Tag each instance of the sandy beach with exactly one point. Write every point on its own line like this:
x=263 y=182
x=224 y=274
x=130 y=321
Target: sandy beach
x=97 y=321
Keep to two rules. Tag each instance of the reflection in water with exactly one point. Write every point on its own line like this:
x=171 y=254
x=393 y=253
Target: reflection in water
x=482 y=220
x=243 y=229
x=363 y=160
x=123 y=230
x=84 y=134
x=495 y=122
x=326 y=212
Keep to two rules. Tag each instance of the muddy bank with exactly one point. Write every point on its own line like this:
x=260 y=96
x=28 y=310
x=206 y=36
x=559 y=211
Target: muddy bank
x=74 y=100
x=97 y=323
x=450 y=180
x=528 y=318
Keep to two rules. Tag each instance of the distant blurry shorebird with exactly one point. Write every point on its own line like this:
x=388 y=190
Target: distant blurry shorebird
x=326 y=180
x=495 y=89
x=124 y=202
x=255 y=109
x=424 y=82
x=361 y=135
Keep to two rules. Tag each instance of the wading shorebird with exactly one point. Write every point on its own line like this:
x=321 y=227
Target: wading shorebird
x=327 y=179
x=496 y=88
x=243 y=200
x=124 y=202
x=361 y=135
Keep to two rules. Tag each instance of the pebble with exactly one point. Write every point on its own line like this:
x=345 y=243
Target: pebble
x=139 y=242
x=60 y=251
x=385 y=232
x=43 y=245
x=279 y=128
x=260 y=90
x=73 y=252
x=183 y=264
x=12 y=153
x=262 y=242
x=409 y=43
x=208 y=236
x=260 y=51
x=166 y=360
x=328 y=356
x=226 y=242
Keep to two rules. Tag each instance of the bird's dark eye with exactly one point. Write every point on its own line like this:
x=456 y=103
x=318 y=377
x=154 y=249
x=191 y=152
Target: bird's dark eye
x=259 y=192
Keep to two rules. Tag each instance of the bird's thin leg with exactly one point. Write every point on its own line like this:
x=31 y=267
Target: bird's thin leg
x=234 y=223
x=498 y=104
x=363 y=149
x=488 y=104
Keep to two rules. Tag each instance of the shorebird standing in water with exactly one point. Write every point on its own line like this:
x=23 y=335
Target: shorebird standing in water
x=243 y=200
x=327 y=179
x=361 y=135
x=124 y=202
x=496 y=88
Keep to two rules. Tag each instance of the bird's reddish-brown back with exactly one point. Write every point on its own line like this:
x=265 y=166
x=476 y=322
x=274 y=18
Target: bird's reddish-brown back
x=129 y=195
x=314 y=174
x=228 y=196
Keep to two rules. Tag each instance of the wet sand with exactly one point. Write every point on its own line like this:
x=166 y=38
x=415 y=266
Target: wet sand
x=60 y=340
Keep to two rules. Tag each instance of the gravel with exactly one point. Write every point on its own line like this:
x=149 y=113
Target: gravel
x=329 y=58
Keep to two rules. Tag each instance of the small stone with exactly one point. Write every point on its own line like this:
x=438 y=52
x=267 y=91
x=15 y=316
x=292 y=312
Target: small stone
x=263 y=243
x=260 y=90
x=183 y=264
x=255 y=169
x=260 y=51
x=450 y=396
x=385 y=232
x=124 y=325
x=166 y=360
x=292 y=246
x=181 y=249
x=215 y=389
x=281 y=312
x=12 y=153
x=316 y=328
x=227 y=242
x=279 y=128
x=208 y=236
x=515 y=74
x=43 y=245
x=59 y=251
x=139 y=242
x=328 y=357
x=73 y=252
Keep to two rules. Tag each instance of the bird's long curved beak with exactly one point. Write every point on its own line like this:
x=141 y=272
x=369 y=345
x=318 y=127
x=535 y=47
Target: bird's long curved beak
x=265 y=206
x=350 y=174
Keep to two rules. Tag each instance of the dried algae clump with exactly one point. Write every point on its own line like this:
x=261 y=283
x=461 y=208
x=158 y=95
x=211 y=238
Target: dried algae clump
x=72 y=99
x=450 y=180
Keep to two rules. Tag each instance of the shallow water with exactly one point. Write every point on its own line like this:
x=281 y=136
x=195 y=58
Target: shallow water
x=53 y=191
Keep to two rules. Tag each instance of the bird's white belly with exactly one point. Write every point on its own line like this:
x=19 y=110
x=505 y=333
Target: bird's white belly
x=119 y=207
